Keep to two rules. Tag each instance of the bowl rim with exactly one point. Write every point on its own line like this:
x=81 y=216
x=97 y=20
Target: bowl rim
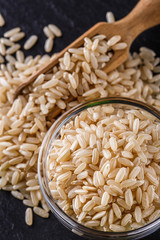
x=63 y=119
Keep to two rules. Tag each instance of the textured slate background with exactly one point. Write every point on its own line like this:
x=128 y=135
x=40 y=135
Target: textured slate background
x=73 y=17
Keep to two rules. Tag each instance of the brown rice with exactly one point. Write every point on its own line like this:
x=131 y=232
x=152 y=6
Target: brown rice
x=114 y=177
x=25 y=122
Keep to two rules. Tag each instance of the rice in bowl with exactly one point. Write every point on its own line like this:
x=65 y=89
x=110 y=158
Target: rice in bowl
x=103 y=168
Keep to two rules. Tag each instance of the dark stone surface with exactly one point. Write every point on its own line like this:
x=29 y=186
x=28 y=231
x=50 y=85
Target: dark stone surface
x=73 y=17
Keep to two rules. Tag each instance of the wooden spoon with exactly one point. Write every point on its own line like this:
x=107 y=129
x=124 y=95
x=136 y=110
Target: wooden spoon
x=146 y=14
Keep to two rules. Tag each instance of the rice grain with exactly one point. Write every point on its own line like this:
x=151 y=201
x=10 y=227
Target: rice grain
x=56 y=31
x=41 y=212
x=48 y=44
x=110 y=17
x=17 y=37
x=29 y=216
x=2 y=21
x=31 y=41
x=11 y=32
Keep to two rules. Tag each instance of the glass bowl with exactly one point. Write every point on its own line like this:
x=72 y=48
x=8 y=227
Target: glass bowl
x=53 y=133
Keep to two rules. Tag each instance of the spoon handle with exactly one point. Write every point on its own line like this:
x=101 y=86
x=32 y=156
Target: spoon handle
x=145 y=14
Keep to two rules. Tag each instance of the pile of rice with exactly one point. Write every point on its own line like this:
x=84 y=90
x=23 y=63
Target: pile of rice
x=78 y=77
x=104 y=168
